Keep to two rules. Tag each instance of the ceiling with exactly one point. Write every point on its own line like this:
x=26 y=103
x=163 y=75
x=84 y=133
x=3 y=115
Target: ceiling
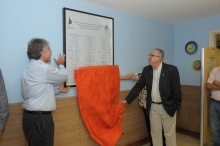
x=167 y=11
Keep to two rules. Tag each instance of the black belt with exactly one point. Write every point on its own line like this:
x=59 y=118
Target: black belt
x=38 y=112
x=215 y=100
x=156 y=102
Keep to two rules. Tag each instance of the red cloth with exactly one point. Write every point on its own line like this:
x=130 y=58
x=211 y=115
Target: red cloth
x=98 y=91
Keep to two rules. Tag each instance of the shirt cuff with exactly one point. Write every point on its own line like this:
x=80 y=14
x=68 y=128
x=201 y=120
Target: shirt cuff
x=61 y=66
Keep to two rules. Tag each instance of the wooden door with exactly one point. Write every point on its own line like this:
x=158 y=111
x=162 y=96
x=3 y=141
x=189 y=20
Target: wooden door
x=210 y=59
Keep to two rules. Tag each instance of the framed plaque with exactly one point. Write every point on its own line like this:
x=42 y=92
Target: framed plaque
x=88 y=40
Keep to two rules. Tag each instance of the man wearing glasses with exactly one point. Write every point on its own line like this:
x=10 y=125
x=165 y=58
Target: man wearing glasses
x=164 y=95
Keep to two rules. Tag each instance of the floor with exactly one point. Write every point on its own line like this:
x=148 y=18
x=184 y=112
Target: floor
x=184 y=140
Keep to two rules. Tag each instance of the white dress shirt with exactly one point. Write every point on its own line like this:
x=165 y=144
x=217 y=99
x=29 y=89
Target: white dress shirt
x=214 y=76
x=37 y=83
x=155 y=93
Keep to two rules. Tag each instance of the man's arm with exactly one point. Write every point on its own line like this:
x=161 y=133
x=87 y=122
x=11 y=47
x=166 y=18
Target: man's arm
x=130 y=76
x=213 y=86
x=136 y=89
x=212 y=83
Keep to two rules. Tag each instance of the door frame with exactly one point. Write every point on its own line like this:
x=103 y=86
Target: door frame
x=212 y=38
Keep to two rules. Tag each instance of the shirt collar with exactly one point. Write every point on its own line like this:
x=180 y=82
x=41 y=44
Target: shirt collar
x=34 y=60
x=159 y=67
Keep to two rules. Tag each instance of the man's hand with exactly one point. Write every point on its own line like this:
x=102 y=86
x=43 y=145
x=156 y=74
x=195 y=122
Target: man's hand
x=60 y=60
x=123 y=101
x=217 y=83
x=62 y=89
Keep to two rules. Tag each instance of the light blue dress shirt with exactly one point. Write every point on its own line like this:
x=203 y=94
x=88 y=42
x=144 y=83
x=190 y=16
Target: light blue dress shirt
x=37 y=85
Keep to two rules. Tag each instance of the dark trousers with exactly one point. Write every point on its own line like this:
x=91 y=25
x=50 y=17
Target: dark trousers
x=38 y=129
x=147 y=120
x=214 y=113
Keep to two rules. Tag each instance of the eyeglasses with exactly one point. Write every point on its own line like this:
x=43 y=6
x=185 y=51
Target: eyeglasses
x=152 y=55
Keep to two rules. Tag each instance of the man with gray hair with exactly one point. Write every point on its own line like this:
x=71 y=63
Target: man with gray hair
x=38 y=91
x=164 y=96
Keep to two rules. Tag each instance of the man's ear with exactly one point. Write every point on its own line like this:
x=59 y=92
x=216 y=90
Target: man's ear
x=42 y=53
